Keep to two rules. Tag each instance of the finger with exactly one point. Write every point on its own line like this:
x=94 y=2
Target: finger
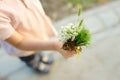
x=71 y=55
x=68 y=56
x=74 y=52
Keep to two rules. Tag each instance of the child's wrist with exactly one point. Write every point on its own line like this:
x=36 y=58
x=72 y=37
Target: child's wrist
x=57 y=45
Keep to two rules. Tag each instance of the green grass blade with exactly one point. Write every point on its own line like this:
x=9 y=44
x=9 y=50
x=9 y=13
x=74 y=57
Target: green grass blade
x=79 y=12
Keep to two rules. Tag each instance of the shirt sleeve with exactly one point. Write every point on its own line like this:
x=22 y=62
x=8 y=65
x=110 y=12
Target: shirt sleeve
x=6 y=29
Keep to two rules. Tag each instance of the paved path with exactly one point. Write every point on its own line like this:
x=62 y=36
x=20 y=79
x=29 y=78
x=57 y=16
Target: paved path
x=101 y=61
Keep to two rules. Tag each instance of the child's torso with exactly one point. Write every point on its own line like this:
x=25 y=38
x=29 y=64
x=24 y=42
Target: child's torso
x=28 y=18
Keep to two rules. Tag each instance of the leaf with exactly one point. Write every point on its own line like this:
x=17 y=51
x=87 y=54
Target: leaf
x=81 y=22
x=83 y=37
x=80 y=10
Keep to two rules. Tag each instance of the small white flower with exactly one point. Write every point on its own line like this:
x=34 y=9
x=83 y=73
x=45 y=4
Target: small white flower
x=69 y=32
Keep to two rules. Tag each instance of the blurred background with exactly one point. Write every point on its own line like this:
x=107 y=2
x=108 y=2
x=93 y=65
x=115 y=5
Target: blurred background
x=67 y=7
x=99 y=61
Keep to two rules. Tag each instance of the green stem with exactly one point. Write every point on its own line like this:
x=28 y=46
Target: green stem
x=78 y=52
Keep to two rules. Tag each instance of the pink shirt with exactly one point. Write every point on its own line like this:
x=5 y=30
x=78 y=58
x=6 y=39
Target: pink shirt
x=26 y=17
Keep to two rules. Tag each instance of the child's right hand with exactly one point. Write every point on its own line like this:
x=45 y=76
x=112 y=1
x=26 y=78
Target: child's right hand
x=65 y=53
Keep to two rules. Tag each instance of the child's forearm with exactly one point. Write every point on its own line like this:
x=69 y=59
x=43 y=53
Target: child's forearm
x=27 y=43
x=35 y=44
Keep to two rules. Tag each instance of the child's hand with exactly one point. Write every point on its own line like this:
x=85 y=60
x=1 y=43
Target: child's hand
x=65 y=53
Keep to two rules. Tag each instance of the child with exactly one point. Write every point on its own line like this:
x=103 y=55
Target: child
x=24 y=29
